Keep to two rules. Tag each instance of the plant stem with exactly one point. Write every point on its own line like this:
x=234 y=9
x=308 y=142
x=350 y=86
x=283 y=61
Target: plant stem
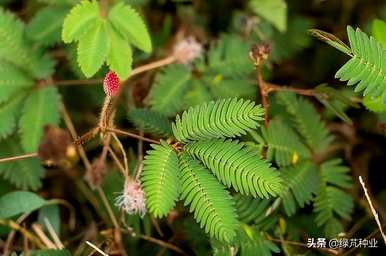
x=20 y=157
x=132 y=135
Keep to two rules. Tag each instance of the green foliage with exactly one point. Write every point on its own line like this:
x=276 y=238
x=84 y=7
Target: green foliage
x=237 y=166
x=50 y=213
x=170 y=86
x=224 y=118
x=130 y=25
x=253 y=243
x=302 y=183
x=9 y=113
x=284 y=145
x=160 y=179
x=251 y=209
x=24 y=174
x=18 y=202
x=15 y=50
x=79 y=20
x=367 y=67
x=41 y=108
x=12 y=80
x=212 y=205
x=307 y=121
x=151 y=122
x=331 y=200
x=45 y=27
x=275 y=11
x=93 y=48
x=105 y=38
x=379 y=31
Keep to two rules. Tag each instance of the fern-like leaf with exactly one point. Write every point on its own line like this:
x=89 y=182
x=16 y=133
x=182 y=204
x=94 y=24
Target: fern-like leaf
x=212 y=205
x=228 y=58
x=169 y=89
x=45 y=27
x=224 y=118
x=80 y=19
x=252 y=242
x=302 y=183
x=236 y=165
x=160 y=179
x=151 y=122
x=307 y=121
x=367 y=67
x=12 y=80
x=251 y=209
x=331 y=199
x=24 y=174
x=284 y=145
x=128 y=22
x=40 y=108
x=93 y=48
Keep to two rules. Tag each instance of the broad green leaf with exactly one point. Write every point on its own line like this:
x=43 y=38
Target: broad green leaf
x=45 y=27
x=130 y=24
x=93 y=48
x=274 y=11
x=51 y=213
x=24 y=174
x=12 y=80
x=79 y=20
x=379 y=31
x=19 y=202
x=41 y=108
x=9 y=111
x=120 y=56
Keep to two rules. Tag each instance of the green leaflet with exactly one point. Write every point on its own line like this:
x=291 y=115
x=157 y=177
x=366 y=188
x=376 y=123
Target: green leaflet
x=331 y=200
x=301 y=185
x=168 y=91
x=275 y=11
x=236 y=165
x=120 y=56
x=130 y=25
x=151 y=122
x=367 y=67
x=93 y=48
x=40 y=108
x=12 y=80
x=379 y=31
x=284 y=145
x=80 y=19
x=9 y=113
x=251 y=209
x=212 y=205
x=45 y=27
x=306 y=121
x=24 y=174
x=17 y=202
x=160 y=179
x=224 y=118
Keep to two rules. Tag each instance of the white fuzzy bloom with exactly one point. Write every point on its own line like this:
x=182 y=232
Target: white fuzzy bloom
x=187 y=50
x=132 y=199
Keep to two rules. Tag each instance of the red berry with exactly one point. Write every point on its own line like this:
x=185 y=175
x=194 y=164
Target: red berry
x=111 y=84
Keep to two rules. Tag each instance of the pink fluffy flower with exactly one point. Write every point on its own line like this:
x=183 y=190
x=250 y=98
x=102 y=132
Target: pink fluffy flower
x=111 y=84
x=132 y=199
x=187 y=50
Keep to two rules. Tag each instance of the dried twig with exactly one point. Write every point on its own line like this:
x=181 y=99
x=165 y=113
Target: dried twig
x=374 y=212
x=20 y=157
x=96 y=248
x=133 y=135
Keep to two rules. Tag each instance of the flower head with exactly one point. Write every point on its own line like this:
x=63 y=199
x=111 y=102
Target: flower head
x=132 y=199
x=111 y=84
x=187 y=50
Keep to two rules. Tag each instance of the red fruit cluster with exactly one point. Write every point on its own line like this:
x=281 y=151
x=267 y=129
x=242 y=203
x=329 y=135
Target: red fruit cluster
x=111 y=84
